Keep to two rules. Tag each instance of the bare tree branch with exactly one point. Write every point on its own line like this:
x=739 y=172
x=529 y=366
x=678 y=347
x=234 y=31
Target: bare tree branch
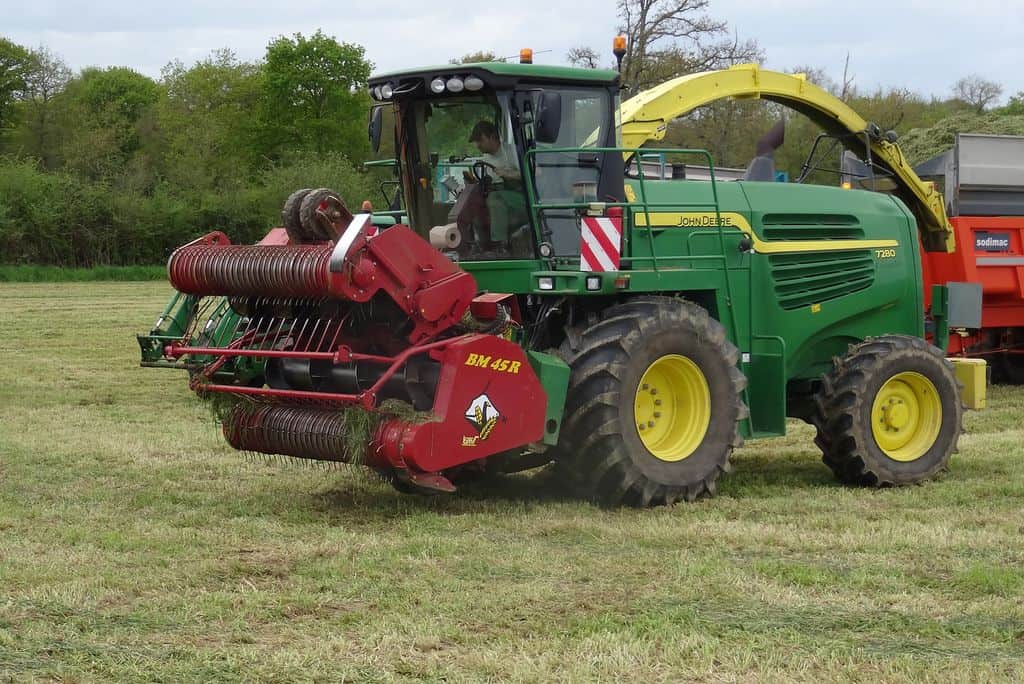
x=977 y=92
x=669 y=38
x=585 y=57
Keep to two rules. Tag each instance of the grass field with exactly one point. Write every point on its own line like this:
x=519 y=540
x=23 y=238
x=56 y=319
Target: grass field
x=136 y=546
x=60 y=274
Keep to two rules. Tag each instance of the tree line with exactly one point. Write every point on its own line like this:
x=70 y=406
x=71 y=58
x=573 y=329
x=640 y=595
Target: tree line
x=670 y=38
x=109 y=166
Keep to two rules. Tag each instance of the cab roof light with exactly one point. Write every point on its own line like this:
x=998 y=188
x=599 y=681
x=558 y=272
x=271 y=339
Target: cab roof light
x=619 y=49
x=526 y=56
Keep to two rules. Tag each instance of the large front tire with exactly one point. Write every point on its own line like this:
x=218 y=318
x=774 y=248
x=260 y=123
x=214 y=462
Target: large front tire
x=653 y=406
x=889 y=412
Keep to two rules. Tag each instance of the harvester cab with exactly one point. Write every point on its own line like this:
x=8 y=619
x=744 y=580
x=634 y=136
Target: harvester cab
x=462 y=137
x=543 y=300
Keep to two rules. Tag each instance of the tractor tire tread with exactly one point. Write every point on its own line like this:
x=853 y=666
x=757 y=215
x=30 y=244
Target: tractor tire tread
x=291 y=221
x=848 y=448
x=593 y=457
x=307 y=214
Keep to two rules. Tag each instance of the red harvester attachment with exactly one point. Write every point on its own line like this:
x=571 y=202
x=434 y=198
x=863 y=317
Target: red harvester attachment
x=332 y=329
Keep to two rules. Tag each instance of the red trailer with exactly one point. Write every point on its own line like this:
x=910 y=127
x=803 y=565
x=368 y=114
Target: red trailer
x=982 y=178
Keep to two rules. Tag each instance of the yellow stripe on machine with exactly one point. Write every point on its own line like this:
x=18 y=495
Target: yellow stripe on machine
x=709 y=219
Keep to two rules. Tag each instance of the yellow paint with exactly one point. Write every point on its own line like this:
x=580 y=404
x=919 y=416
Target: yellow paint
x=971 y=374
x=478 y=360
x=815 y=308
x=906 y=416
x=645 y=117
x=672 y=408
x=710 y=219
x=499 y=364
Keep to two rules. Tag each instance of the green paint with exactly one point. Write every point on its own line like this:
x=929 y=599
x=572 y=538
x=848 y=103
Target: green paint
x=532 y=72
x=795 y=273
x=554 y=377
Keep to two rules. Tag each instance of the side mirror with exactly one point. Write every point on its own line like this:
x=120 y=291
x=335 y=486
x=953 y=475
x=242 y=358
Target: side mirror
x=549 y=117
x=374 y=127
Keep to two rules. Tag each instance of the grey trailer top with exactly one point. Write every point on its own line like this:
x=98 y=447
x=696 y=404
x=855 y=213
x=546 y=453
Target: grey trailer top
x=983 y=175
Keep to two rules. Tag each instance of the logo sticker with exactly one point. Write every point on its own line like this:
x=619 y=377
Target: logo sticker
x=483 y=415
x=991 y=242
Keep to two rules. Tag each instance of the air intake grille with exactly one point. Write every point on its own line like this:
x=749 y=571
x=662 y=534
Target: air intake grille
x=812 y=278
x=811 y=227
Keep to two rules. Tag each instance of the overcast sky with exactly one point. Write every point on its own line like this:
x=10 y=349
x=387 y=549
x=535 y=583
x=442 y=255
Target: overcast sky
x=923 y=45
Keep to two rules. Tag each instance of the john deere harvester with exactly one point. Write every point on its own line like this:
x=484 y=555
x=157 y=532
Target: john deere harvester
x=537 y=297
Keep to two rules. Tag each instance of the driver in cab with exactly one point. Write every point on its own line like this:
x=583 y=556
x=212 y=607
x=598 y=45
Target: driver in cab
x=504 y=201
x=492 y=152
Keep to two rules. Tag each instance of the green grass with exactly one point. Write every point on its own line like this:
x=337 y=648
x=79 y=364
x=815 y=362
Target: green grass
x=59 y=274
x=136 y=546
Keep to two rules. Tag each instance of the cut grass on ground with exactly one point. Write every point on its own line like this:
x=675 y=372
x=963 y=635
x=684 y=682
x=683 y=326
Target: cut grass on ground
x=136 y=546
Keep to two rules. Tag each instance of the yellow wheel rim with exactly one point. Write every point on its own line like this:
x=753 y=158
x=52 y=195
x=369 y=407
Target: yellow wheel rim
x=672 y=408
x=906 y=416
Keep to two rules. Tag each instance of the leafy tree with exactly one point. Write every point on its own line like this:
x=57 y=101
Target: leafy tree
x=107 y=117
x=15 y=62
x=474 y=57
x=977 y=92
x=315 y=94
x=209 y=122
x=1015 y=107
x=45 y=79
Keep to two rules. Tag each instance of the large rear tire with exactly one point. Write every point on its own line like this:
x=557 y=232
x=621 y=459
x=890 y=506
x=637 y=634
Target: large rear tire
x=889 y=412
x=653 y=404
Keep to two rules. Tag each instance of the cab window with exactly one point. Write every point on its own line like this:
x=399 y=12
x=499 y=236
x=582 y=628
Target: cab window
x=571 y=177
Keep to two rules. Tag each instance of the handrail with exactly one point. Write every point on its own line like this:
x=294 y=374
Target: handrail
x=537 y=206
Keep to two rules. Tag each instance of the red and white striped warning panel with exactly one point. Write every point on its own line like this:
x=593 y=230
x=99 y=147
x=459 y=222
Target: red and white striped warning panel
x=601 y=244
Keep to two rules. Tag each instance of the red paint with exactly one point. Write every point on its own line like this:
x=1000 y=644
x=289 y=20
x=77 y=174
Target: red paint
x=515 y=399
x=429 y=287
x=484 y=306
x=276 y=236
x=1002 y=284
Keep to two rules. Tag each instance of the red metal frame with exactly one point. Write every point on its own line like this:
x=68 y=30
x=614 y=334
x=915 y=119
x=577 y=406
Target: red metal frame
x=367 y=398
x=1000 y=274
x=487 y=399
x=425 y=284
x=475 y=369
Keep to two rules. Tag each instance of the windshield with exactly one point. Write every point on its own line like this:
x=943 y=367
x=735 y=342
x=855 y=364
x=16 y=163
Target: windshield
x=467 y=190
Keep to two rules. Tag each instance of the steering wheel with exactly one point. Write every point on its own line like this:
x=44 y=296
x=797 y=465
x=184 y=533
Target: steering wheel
x=480 y=167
